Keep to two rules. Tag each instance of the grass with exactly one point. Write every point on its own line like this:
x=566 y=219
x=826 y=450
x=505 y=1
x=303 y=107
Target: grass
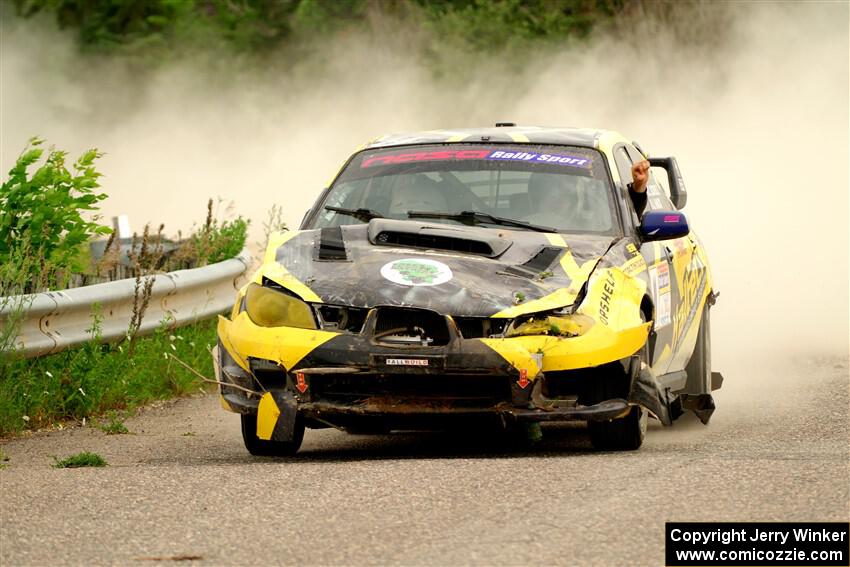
x=84 y=459
x=114 y=426
x=93 y=379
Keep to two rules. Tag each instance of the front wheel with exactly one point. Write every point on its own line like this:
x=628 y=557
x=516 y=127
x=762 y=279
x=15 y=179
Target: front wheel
x=262 y=448
x=623 y=434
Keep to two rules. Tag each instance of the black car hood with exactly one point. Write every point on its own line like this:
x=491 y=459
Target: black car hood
x=402 y=263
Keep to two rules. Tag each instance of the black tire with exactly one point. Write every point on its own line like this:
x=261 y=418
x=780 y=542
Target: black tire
x=261 y=448
x=626 y=433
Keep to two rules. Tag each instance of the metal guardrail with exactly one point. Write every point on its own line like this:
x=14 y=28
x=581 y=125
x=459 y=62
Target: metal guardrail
x=55 y=320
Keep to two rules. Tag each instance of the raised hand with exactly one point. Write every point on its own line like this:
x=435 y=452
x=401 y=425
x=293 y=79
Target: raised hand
x=640 y=175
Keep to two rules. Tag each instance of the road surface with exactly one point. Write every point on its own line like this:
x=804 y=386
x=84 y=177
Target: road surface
x=181 y=486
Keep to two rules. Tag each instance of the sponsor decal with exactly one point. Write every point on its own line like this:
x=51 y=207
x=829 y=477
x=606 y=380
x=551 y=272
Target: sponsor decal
x=407 y=362
x=663 y=277
x=663 y=309
x=407 y=157
x=558 y=159
x=690 y=292
x=635 y=263
x=496 y=155
x=634 y=266
x=671 y=218
x=607 y=292
x=416 y=272
x=659 y=279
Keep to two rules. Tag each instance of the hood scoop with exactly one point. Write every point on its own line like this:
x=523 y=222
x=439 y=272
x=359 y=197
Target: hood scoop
x=331 y=245
x=410 y=234
x=537 y=264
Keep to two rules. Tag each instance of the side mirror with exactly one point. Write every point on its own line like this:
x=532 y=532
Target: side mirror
x=678 y=194
x=663 y=225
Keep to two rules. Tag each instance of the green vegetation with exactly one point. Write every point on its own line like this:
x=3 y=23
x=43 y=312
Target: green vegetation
x=157 y=29
x=84 y=459
x=44 y=240
x=92 y=379
x=218 y=240
x=473 y=24
x=50 y=217
x=43 y=230
x=114 y=426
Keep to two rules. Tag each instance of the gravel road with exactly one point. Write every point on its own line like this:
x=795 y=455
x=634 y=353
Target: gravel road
x=181 y=486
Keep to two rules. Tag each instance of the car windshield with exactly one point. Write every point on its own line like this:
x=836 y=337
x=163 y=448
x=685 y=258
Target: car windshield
x=563 y=188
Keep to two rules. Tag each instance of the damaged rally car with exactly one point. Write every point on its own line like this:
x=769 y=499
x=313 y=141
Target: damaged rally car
x=504 y=273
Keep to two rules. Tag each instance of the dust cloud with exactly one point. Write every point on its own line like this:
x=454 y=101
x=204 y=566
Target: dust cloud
x=755 y=108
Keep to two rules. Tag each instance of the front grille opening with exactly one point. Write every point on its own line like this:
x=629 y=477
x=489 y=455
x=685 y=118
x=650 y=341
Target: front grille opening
x=414 y=389
x=589 y=385
x=342 y=318
x=267 y=372
x=430 y=242
x=480 y=327
x=411 y=327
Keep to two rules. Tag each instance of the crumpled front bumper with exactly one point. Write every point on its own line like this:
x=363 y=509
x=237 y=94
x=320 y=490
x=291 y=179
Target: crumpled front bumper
x=330 y=375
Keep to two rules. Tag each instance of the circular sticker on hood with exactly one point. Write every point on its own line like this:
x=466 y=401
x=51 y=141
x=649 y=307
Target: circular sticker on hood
x=416 y=271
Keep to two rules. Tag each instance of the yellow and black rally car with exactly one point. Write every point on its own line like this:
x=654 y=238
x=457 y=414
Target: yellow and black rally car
x=503 y=273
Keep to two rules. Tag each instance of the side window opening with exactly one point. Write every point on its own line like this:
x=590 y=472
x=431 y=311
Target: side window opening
x=656 y=193
x=624 y=165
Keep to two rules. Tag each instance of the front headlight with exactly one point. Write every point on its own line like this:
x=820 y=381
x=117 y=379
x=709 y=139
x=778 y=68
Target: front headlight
x=568 y=325
x=271 y=308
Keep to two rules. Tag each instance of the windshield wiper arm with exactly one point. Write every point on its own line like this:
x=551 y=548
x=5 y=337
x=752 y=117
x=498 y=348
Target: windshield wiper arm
x=477 y=217
x=360 y=214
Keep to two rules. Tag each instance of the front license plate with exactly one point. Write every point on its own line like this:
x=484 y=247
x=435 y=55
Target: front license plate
x=395 y=363
x=407 y=362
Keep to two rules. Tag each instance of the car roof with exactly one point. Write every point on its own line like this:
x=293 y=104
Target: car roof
x=587 y=137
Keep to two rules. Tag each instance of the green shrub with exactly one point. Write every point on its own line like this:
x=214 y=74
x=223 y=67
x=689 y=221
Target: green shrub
x=43 y=227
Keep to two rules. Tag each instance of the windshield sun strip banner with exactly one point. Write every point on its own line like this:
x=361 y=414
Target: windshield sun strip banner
x=485 y=154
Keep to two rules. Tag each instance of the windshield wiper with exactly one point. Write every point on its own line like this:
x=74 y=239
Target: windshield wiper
x=360 y=214
x=477 y=217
